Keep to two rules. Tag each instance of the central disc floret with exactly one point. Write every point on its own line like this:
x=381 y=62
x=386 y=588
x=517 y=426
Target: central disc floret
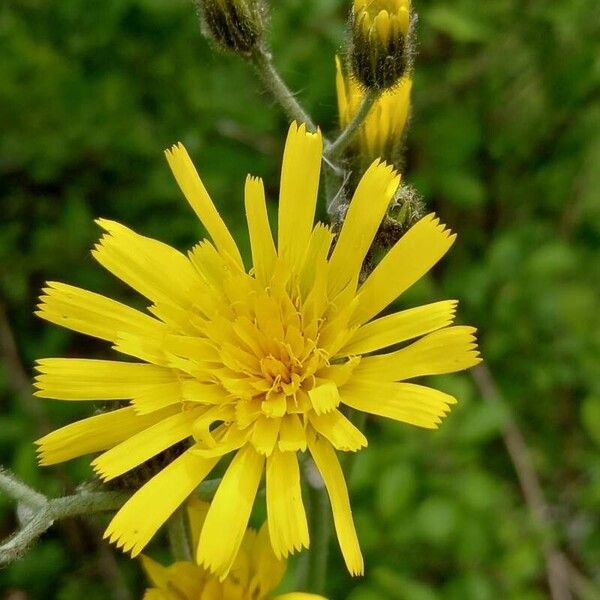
x=269 y=353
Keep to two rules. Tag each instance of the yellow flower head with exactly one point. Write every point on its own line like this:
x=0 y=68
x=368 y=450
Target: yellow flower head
x=379 y=51
x=382 y=130
x=255 y=573
x=260 y=364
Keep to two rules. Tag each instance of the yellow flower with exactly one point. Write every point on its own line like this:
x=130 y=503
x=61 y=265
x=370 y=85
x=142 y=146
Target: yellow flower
x=254 y=363
x=380 y=53
x=255 y=573
x=381 y=133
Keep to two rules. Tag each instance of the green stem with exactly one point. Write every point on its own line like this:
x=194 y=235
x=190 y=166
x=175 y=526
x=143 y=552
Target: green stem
x=47 y=511
x=178 y=536
x=263 y=63
x=320 y=530
x=19 y=491
x=336 y=148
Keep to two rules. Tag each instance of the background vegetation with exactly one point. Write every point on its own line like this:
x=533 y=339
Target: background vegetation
x=504 y=145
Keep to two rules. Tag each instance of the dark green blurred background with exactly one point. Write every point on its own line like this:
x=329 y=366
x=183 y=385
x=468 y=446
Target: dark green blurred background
x=504 y=145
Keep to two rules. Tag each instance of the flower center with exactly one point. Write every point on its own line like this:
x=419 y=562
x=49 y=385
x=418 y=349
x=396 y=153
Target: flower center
x=269 y=353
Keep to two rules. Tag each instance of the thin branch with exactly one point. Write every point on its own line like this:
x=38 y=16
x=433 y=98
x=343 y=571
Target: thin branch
x=557 y=569
x=20 y=492
x=335 y=149
x=46 y=511
x=263 y=62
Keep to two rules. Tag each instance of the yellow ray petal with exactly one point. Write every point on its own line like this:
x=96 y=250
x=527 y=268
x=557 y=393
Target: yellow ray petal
x=265 y=433
x=288 y=528
x=198 y=349
x=414 y=404
x=315 y=259
x=147 y=347
x=340 y=432
x=90 y=379
x=401 y=326
x=227 y=439
x=157 y=574
x=229 y=512
x=339 y=373
x=292 y=437
x=94 y=434
x=444 y=351
x=324 y=397
x=93 y=314
x=203 y=393
x=324 y=456
x=298 y=191
x=196 y=511
x=415 y=253
x=365 y=213
x=158 y=397
x=267 y=570
x=147 y=443
x=193 y=189
x=264 y=254
x=343 y=100
x=155 y=270
x=142 y=515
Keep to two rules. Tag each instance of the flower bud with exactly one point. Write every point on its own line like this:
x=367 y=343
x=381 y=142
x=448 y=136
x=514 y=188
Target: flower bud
x=380 y=49
x=382 y=132
x=234 y=25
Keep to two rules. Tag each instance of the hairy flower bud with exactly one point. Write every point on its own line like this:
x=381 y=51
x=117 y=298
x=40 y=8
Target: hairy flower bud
x=234 y=25
x=380 y=49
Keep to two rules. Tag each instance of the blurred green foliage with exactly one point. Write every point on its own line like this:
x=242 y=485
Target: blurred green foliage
x=504 y=145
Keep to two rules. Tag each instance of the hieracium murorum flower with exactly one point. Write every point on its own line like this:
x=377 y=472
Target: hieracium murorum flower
x=380 y=44
x=255 y=573
x=381 y=134
x=261 y=363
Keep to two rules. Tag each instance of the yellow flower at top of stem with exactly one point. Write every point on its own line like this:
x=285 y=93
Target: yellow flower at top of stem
x=258 y=363
x=381 y=134
x=379 y=49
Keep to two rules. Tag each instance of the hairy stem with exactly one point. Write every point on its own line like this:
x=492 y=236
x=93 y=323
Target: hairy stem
x=46 y=511
x=336 y=148
x=19 y=491
x=262 y=61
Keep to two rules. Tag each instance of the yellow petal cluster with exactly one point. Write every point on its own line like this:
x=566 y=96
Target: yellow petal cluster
x=254 y=575
x=382 y=130
x=260 y=363
x=379 y=53
x=385 y=18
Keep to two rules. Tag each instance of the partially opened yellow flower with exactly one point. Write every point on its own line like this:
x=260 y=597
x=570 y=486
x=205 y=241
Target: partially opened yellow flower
x=259 y=363
x=380 y=52
x=255 y=573
x=381 y=132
